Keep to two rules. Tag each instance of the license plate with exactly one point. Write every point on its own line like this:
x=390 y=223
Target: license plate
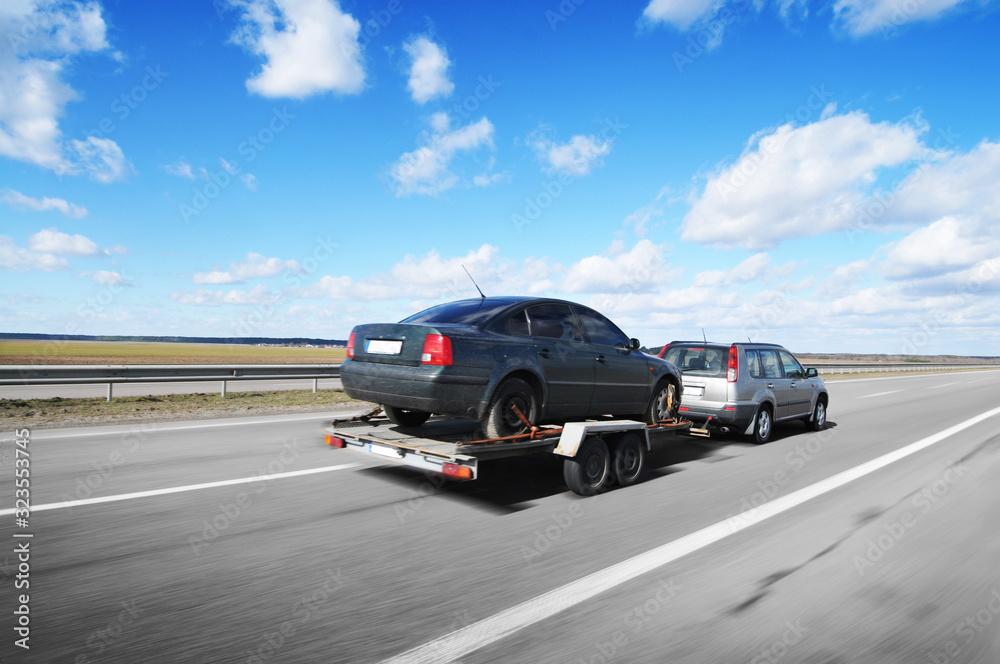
x=694 y=391
x=384 y=451
x=384 y=347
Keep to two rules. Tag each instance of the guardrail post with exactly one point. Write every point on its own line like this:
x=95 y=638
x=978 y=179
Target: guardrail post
x=109 y=391
x=315 y=385
x=223 y=389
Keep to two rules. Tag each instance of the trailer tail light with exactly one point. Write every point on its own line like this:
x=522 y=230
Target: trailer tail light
x=457 y=471
x=437 y=350
x=335 y=441
x=734 y=365
x=684 y=409
x=350 y=345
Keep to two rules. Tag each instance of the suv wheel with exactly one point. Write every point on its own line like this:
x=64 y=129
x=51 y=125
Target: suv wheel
x=763 y=425
x=818 y=419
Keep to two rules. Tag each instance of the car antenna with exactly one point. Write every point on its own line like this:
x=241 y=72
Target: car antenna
x=748 y=340
x=474 y=283
x=703 y=337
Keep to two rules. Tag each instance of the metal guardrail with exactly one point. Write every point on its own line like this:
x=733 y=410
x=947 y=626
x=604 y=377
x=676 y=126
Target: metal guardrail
x=84 y=374
x=887 y=367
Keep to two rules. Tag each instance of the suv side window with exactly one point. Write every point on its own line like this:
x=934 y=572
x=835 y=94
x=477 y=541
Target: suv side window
x=753 y=364
x=599 y=329
x=769 y=360
x=553 y=321
x=792 y=367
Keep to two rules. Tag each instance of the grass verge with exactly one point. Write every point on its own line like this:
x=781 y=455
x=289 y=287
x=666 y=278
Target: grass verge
x=58 y=412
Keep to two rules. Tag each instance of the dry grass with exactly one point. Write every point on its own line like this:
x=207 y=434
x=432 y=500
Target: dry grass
x=57 y=412
x=17 y=351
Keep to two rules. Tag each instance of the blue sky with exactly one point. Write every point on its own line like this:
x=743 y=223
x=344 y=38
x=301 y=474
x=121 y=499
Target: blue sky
x=819 y=174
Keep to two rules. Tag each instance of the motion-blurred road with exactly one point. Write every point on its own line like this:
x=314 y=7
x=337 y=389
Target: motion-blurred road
x=363 y=561
x=156 y=389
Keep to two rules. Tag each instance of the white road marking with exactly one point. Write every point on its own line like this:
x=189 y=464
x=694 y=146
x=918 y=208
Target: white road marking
x=920 y=374
x=934 y=387
x=179 y=489
x=459 y=643
x=879 y=394
x=157 y=427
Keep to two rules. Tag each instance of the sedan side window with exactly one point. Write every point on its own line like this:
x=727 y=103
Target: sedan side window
x=769 y=359
x=599 y=329
x=517 y=324
x=792 y=367
x=553 y=321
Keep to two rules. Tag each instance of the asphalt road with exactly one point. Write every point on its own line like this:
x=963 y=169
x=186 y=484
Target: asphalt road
x=363 y=561
x=146 y=389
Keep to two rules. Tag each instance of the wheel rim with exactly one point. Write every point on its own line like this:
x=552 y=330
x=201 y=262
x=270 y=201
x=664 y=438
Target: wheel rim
x=664 y=403
x=764 y=424
x=820 y=414
x=510 y=418
x=594 y=468
x=630 y=460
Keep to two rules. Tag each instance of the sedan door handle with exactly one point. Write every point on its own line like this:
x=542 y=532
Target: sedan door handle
x=601 y=359
x=545 y=353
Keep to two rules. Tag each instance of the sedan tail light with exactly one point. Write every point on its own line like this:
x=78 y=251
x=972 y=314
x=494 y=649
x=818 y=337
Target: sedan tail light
x=350 y=345
x=437 y=350
x=734 y=365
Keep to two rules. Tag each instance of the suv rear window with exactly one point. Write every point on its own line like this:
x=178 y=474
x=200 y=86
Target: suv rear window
x=463 y=312
x=699 y=360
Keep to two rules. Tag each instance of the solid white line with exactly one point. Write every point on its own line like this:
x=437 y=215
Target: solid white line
x=934 y=387
x=452 y=646
x=179 y=489
x=879 y=394
x=916 y=374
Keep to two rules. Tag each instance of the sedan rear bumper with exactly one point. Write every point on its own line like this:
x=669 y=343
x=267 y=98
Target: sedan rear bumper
x=441 y=390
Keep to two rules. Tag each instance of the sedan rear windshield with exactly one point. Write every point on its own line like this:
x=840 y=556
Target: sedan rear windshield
x=464 y=312
x=699 y=360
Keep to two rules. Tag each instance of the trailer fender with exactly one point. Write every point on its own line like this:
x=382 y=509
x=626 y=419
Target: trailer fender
x=574 y=433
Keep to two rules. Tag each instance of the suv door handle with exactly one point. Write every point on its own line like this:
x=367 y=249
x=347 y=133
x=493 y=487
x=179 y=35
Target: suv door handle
x=793 y=384
x=545 y=353
x=601 y=359
x=770 y=386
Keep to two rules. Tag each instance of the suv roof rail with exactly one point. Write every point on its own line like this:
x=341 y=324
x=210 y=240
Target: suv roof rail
x=722 y=343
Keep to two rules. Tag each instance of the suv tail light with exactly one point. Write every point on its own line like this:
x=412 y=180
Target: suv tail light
x=734 y=365
x=437 y=350
x=350 y=345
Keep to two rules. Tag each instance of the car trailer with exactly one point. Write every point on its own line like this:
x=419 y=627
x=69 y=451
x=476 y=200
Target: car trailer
x=598 y=453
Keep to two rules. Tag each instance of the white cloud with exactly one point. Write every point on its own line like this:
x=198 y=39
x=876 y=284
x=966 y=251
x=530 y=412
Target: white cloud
x=309 y=47
x=255 y=266
x=250 y=181
x=577 y=157
x=17 y=259
x=107 y=278
x=947 y=245
x=20 y=201
x=842 y=279
x=864 y=17
x=641 y=269
x=102 y=158
x=204 y=297
x=428 y=70
x=641 y=218
x=798 y=181
x=51 y=241
x=680 y=13
x=39 y=42
x=427 y=170
x=181 y=169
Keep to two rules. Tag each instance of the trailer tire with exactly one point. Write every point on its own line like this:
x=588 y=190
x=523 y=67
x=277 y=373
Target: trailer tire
x=405 y=417
x=589 y=472
x=500 y=421
x=629 y=459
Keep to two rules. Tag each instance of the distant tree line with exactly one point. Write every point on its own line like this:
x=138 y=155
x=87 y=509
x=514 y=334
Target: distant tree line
x=250 y=341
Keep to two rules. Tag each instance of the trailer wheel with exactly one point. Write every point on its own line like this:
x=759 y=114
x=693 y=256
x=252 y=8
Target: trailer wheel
x=500 y=420
x=629 y=459
x=590 y=470
x=405 y=417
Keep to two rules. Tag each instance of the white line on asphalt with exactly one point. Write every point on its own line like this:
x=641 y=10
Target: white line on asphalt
x=179 y=489
x=934 y=387
x=879 y=394
x=157 y=427
x=928 y=374
x=459 y=643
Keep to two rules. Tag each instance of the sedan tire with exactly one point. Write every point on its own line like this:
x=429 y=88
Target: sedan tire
x=663 y=405
x=500 y=420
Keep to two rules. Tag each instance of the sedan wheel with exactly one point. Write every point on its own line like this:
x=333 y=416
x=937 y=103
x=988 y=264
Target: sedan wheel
x=500 y=420
x=663 y=405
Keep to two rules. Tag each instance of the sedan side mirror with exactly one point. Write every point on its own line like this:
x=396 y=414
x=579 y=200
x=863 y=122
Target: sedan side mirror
x=811 y=372
x=634 y=344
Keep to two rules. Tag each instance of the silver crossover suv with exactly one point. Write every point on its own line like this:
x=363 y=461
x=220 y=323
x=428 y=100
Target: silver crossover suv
x=746 y=387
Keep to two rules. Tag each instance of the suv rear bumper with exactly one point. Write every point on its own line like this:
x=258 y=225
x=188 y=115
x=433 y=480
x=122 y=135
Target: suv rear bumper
x=737 y=416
